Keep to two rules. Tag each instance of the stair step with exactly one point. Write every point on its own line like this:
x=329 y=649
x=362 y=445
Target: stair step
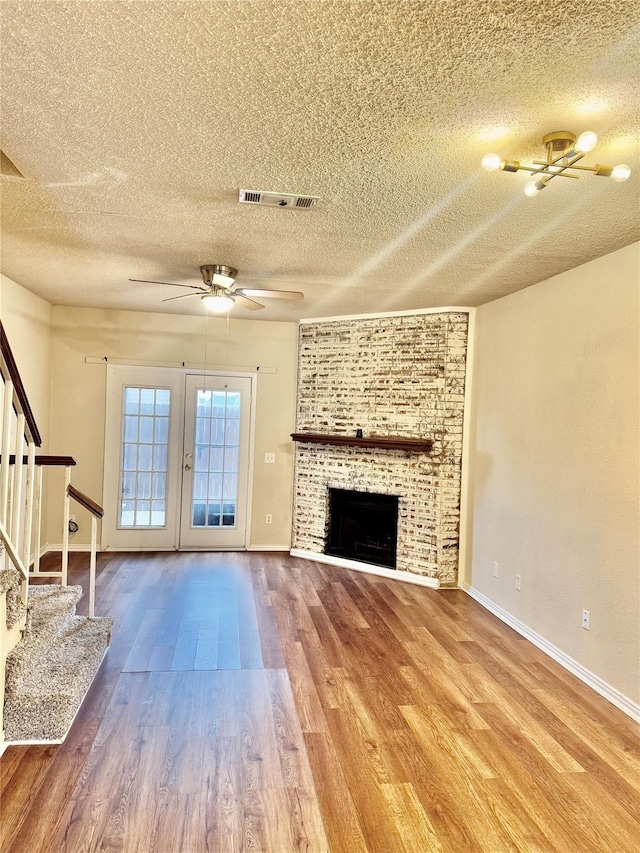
x=11 y=583
x=42 y=697
x=50 y=609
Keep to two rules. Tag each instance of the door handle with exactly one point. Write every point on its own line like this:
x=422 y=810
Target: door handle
x=187 y=467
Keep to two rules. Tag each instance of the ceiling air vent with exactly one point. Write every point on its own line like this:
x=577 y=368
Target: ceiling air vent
x=273 y=199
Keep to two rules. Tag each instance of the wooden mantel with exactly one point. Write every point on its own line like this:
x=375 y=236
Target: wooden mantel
x=385 y=442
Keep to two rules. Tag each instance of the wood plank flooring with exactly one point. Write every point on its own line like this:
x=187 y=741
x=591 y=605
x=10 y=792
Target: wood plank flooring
x=254 y=702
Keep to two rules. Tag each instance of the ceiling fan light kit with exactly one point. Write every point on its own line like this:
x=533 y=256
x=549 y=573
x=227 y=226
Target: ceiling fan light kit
x=564 y=150
x=217 y=303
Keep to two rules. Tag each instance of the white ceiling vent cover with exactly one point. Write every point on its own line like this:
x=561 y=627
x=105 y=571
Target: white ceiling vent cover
x=273 y=199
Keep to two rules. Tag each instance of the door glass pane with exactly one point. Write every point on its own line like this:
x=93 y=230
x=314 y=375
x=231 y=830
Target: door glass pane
x=143 y=458
x=162 y=430
x=131 y=400
x=216 y=439
x=130 y=429
x=163 y=401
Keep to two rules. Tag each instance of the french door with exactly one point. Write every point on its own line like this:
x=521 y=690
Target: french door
x=215 y=462
x=176 y=459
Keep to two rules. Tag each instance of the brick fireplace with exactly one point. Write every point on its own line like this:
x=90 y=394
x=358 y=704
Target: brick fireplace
x=404 y=376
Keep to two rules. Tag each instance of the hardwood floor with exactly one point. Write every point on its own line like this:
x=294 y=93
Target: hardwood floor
x=253 y=702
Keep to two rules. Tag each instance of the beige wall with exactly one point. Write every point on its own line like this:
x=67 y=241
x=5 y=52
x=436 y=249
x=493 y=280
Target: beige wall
x=79 y=392
x=27 y=322
x=555 y=465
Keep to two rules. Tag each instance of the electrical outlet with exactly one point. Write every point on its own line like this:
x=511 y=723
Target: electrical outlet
x=586 y=617
x=270 y=458
x=268 y=518
x=518 y=582
x=495 y=570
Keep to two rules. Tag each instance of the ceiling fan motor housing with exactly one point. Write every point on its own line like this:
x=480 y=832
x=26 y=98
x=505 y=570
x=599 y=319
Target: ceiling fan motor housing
x=218 y=274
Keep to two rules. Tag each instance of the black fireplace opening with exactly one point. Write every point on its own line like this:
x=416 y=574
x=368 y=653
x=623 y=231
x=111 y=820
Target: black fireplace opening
x=363 y=526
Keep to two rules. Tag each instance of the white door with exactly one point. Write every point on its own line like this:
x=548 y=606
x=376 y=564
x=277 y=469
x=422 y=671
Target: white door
x=176 y=460
x=215 y=462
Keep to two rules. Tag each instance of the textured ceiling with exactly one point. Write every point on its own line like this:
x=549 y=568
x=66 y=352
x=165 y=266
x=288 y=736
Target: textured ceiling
x=136 y=123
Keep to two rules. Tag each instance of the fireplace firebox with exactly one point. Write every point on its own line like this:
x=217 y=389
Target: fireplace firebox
x=363 y=526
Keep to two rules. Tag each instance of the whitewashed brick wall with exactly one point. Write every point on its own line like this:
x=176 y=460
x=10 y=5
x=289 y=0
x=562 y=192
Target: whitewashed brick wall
x=390 y=376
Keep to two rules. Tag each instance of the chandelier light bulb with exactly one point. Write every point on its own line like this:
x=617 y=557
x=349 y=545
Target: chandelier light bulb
x=217 y=303
x=491 y=162
x=621 y=173
x=531 y=189
x=585 y=142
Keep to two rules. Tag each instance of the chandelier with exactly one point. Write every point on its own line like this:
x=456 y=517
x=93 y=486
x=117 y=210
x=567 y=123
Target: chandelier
x=564 y=150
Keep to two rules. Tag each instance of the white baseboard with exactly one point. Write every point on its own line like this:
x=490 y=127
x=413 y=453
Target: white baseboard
x=81 y=547
x=269 y=548
x=601 y=687
x=76 y=546
x=394 y=574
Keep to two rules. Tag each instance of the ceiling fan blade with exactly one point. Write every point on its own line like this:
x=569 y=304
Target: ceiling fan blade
x=171 y=283
x=270 y=294
x=182 y=296
x=241 y=299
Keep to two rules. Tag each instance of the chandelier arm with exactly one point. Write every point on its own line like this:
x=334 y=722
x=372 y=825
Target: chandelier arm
x=562 y=166
x=561 y=157
x=582 y=168
x=558 y=174
x=545 y=171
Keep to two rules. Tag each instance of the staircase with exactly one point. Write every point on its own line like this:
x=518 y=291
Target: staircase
x=48 y=655
x=50 y=670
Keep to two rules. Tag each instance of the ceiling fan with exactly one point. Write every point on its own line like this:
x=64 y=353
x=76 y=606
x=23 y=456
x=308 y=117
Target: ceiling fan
x=218 y=291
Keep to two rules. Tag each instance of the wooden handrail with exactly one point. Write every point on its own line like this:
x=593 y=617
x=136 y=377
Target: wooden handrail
x=46 y=461
x=18 y=387
x=86 y=502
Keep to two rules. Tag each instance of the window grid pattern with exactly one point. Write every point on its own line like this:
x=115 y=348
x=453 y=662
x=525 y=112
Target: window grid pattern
x=145 y=445
x=217 y=443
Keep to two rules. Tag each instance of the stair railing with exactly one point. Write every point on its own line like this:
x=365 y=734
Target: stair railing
x=22 y=488
x=42 y=463
x=19 y=432
x=96 y=512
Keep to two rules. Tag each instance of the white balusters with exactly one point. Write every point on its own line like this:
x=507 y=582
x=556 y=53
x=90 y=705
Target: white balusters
x=38 y=522
x=18 y=484
x=92 y=566
x=7 y=422
x=65 y=523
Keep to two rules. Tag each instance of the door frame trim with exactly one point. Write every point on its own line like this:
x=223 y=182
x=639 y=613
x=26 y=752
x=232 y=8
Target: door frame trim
x=184 y=371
